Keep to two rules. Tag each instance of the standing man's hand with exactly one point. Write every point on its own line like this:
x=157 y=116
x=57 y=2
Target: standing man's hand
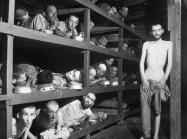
x=146 y=85
x=162 y=82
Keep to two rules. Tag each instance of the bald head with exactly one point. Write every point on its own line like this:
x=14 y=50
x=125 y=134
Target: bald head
x=51 y=13
x=52 y=105
x=50 y=8
x=101 y=69
x=51 y=111
x=89 y=100
x=92 y=95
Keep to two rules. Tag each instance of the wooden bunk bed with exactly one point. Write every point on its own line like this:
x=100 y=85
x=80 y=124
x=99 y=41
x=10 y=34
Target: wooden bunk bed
x=8 y=99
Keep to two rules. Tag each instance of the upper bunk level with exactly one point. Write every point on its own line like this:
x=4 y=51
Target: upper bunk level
x=65 y=8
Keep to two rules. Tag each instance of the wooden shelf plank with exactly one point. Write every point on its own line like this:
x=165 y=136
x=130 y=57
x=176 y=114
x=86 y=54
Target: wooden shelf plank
x=104 y=51
x=100 y=11
x=38 y=96
x=97 y=90
x=92 y=128
x=103 y=124
x=70 y=11
x=130 y=58
x=129 y=3
x=103 y=29
x=56 y=94
x=38 y=36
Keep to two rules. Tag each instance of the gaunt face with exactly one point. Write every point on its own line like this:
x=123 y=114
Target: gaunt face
x=103 y=40
x=124 y=11
x=89 y=100
x=92 y=74
x=110 y=61
x=157 y=31
x=72 y=23
x=51 y=14
x=22 y=78
x=114 y=72
x=101 y=69
x=27 y=116
x=52 y=113
x=73 y=75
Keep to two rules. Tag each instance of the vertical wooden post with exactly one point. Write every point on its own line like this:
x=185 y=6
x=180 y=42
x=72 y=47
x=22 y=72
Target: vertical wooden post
x=87 y=55
x=120 y=74
x=87 y=52
x=174 y=21
x=6 y=109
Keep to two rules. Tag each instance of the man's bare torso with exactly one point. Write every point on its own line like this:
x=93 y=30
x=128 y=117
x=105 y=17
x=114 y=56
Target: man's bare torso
x=156 y=52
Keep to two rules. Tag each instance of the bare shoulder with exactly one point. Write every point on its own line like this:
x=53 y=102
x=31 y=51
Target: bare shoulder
x=146 y=44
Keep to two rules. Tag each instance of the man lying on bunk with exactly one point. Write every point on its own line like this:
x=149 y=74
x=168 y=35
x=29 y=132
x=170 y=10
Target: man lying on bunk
x=77 y=111
x=47 y=21
x=22 y=17
x=68 y=28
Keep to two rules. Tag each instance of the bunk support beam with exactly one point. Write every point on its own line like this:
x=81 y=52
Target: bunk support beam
x=174 y=20
x=120 y=74
x=86 y=52
x=6 y=109
x=87 y=55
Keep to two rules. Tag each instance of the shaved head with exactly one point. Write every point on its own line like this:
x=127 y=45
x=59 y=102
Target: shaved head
x=51 y=13
x=50 y=8
x=52 y=105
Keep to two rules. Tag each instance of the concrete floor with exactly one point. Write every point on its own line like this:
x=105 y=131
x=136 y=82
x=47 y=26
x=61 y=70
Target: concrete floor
x=131 y=129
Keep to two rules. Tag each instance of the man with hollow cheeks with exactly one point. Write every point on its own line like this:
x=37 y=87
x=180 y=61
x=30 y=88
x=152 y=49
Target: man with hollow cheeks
x=154 y=89
x=22 y=124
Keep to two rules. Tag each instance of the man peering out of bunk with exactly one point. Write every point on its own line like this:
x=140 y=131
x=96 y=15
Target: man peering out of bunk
x=102 y=41
x=99 y=78
x=68 y=28
x=22 y=17
x=46 y=124
x=46 y=118
x=154 y=89
x=92 y=73
x=77 y=111
x=23 y=122
x=24 y=77
x=74 y=78
x=47 y=21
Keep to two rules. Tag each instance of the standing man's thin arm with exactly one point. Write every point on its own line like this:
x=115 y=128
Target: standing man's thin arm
x=142 y=61
x=169 y=65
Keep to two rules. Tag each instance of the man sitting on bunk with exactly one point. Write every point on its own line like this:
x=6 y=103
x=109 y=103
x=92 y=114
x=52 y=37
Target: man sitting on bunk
x=23 y=122
x=77 y=111
x=22 y=17
x=47 y=21
x=68 y=28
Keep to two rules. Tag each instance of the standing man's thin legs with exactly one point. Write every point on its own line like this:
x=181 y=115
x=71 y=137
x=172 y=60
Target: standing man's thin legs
x=157 y=126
